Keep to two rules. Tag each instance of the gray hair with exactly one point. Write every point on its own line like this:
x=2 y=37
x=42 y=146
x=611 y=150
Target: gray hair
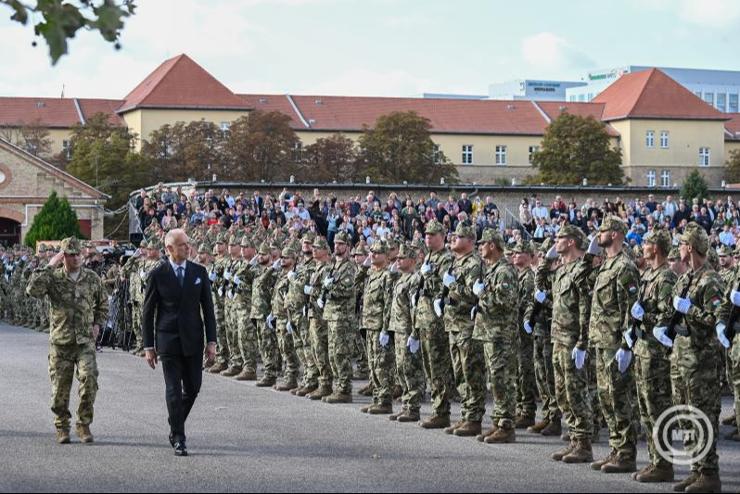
x=169 y=239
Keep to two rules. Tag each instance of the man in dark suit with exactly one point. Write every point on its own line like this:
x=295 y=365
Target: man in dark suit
x=179 y=294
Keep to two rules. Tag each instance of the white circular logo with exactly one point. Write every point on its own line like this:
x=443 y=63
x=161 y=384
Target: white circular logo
x=685 y=425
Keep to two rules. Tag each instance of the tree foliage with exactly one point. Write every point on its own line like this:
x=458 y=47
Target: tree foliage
x=400 y=148
x=732 y=169
x=575 y=148
x=56 y=221
x=694 y=187
x=60 y=20
x=328 y=159
x=33 y=137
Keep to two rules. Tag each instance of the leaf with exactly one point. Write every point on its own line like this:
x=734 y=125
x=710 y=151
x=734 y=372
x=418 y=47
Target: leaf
x=21 y=14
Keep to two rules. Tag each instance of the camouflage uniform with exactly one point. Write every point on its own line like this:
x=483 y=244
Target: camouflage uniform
x=280 y=312
x=317 y=328
x=247 y=333
x=262 y=288
x=75 y=307
x=218 y=290
x=134 y=270
x=231 y=310
x=295 y=304
x=526 y=408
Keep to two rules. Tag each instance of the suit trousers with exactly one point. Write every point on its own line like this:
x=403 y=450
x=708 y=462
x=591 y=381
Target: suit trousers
x=183 y=377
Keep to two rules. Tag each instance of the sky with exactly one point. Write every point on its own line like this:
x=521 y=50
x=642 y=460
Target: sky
x=377 y=47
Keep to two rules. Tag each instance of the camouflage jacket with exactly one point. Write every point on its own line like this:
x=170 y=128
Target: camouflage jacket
x=75 y=305
x=339 y=297
x=543 y=317
x=461 y=299
x=376 y=300
x=705 y=293
x=280 y=295
x=430 y=288
x=497 y=317
x=615 y=291
x=244 y=274
x=526 y=294
x=297 y=299
x=320 y=272
x=264 y=282
x=657 y=302
x=400 y=315
x=571 y=301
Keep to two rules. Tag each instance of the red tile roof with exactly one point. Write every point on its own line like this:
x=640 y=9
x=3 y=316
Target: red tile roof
x=733 y=126
x=181 y=83
x=652 y=94
x=50 y=112
x=553 y=109
x=90 y=107
x=274 y=102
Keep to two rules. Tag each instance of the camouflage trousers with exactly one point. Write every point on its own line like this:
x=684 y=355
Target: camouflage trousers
x=411 y=373
x=733 y=359
x=302 y=345
x=593 y=391
x=468 y=356
x=526 y=388
x=268 y=345
x=360 y=354
x=694 y=381
x=247 y=339
x=340 y=354
x=545 y=378
x=571 y=392
x=653 y=379
x=291 y=365
x=222 y=351
x=435 y=347
x=616 y=392
x=231 y=321
x=63 y=359
x=136 y=315
x=319 y=339
x=382 y=367
x=502 y=363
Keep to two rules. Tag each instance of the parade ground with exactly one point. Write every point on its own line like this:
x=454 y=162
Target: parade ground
x=243 y=438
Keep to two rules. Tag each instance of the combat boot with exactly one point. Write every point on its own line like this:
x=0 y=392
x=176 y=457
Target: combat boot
x=409 y=416
x=246 y=375
x=565 y=436
x=266 y=382
x=231 y=372
x=319 y=393
x=468 y=429
x=365 y=408
x=380 y=409
x=286 y=386
x=681 y=486
x=217 y=368
x=366 y=390
x=83 y=432
x=397 y=392
x=522 y=422
x=436 y=422
x=394 y=416
x=538 y=426
x=338 y=398
x=140 y=353
x=598 y=464
x=451 y=429
x=707 y=482
x=63 y=436
x=582 y=453
x=552 y=429
x=305 y=390
x=483 y=435
x=729 y=420
x=559 y=454
x=503 y=435
x=655 y=473
x=619 y=465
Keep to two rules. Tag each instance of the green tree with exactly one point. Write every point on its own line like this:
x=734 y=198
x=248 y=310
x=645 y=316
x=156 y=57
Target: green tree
x=400 y=148
x=330 y=158
x=59 y=20
x=694 y=187
x=575 y=148
x=33 y=137
x=56 y=221
x=732 y=170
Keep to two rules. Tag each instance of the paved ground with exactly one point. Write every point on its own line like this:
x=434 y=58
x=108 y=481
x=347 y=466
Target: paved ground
x=242 y=438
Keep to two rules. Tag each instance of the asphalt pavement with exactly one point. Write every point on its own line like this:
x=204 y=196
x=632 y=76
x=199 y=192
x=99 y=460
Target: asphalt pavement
x=243 y=438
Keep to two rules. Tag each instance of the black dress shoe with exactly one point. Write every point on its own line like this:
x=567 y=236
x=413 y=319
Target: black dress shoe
x=180 y=449
x=172 y=440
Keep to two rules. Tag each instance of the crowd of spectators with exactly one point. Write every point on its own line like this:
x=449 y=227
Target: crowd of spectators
x=374 y=217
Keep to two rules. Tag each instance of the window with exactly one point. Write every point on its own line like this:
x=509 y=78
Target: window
x=651 y=178
x=665 y=178
x=650 y=138
x=733 y=108
x=704 y=156
x=467 y=154
x=225 y=126
x=698 y=93
x=67 y=149
x=500 y=155
x=721 y=102
x=581 y=98
x=436 y=154
x=532 y=150
x=709 y=98
x=573 y=98
x=664 y=139
x=590 y=96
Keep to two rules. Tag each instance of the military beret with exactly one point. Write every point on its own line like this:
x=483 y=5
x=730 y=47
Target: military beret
x=695 y=236
x=613 y=224
x=489 y=235
x=342 y=237
x=659 y=237
x=246 y=242
x=320 y=243
x=71 y=246
x=724 y=250
x=407 y=251
x=434 y=227
x=264 y=249
x=379 y=248
x=465 y=231
x=522 y=247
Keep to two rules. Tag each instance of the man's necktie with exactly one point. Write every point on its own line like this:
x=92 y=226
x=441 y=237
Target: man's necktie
x=181 y=275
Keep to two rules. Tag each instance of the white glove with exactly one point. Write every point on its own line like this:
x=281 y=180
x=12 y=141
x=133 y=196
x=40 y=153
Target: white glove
x=579 y=357
x=448 y=279
x=426 y=268
x=270 y=321
x=253 y=261
x=289 y=327
x=384 y=338
x=142 y=274
x=637 y=311
x=237 y=281
x=227 y=276
x=220 y=292
x=320 y=303
x=735 y=297
x=593 y=246
x=623 y=358
x=230 y=294
x=659 y=333
x=628 y=338
x=277 y=265
x=394 y=267
x=721 y=336
x=438 y=308
x=478 y=288
x=413 y=345
x=367 y=262
x=682 y=305
x=328 y=281
x=307 y=289
x=540 y=296
x=291 y=275
x=527 y=327
x=413 y=300
x=552 y=253
x=473 y=312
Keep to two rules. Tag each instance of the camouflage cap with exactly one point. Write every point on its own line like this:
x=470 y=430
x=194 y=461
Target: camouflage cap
x=221 y=238
x=264 y=249
x=613 y=224
x=434 y=227
x=155 y=244
x=143 y=244
x=360 y=250
x=246 y=242
x=71 y=246
x=570 y=231
x=522 y=247
x=659 y=237
x=392 y=243
x=234 y=240
x=464 y=231
x=737 y=249
x=288 y=252
x=546 y=245
x=308 y=237
x=379 y=248
x=320 y=243
x=274 y=245
x=637 y=251
x=342 y=237
x=407 y=251
x=674 y=254
x=215 y=250
x=490 y=235
x=695 y=236
x=204 y=248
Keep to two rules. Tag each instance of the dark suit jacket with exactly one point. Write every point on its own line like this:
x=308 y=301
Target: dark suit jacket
x=179 y=324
